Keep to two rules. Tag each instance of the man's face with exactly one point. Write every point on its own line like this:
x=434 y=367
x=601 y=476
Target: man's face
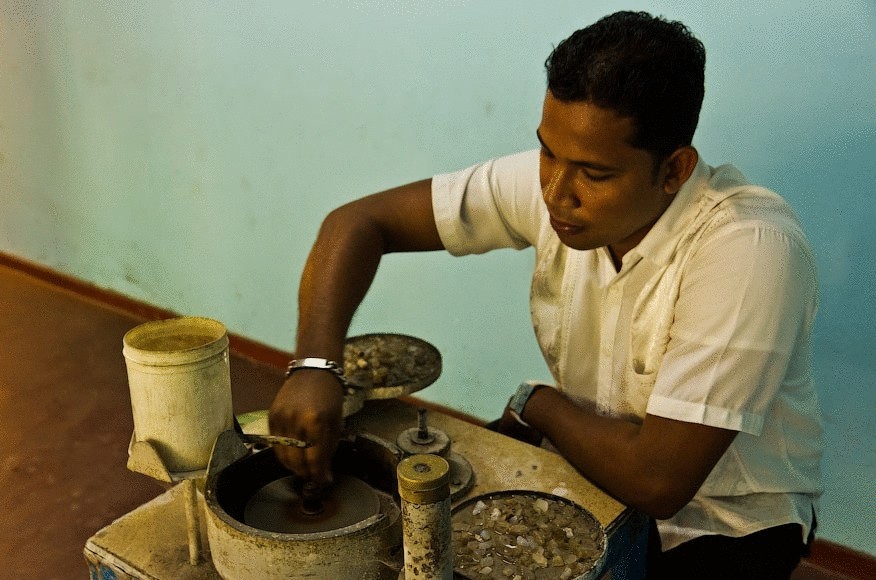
x=598 y=189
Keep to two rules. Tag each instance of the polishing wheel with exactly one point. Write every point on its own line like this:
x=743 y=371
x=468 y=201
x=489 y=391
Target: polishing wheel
x=280 y=507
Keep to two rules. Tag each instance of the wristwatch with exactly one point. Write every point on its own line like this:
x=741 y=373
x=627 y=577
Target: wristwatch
x=521 y=397
x=318 y=364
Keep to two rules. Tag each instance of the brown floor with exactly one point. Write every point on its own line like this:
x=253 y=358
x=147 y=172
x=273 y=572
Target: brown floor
x=65 y=424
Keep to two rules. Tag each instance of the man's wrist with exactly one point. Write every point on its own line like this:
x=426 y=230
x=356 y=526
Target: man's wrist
x=519 y=401
x=530 y=411
x=317 y=364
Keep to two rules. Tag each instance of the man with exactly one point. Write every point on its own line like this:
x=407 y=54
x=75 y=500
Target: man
x=672 y=301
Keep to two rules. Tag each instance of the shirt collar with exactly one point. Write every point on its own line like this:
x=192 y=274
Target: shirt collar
x=659 y=243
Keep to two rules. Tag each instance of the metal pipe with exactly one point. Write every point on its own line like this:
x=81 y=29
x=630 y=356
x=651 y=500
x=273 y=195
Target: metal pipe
x=422 y=427
x=311 y=499
x=193 y=527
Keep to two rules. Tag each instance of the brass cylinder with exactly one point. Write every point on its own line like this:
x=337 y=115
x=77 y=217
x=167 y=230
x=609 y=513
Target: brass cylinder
x=424 y=487
x=424 y=478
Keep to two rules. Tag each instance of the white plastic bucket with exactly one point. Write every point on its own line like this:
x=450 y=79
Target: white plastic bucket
x=179 y=377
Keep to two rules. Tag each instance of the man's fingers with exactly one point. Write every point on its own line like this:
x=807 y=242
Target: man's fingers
x=311 y=463
x=319 y=464
x=308 y=407
x=291 y=458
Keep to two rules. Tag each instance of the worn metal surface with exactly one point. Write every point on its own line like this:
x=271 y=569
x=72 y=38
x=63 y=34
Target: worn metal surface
x=416 y=364
x=412 y=441
x=193 y=522
x=499 y=462
x=427 y=439
x=143 y=458
x=150 y=543
x=461 y=475
x=242 y=555
x=428 y=545
x=283 y=506
x=584 y=521
x=423 y=484
x=361 y=549
x=151 y=540
x=228 y=448
x=275 y=440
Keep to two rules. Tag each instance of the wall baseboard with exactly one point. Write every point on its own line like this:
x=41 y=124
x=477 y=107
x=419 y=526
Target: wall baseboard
x=825 y=554
x=241 y=345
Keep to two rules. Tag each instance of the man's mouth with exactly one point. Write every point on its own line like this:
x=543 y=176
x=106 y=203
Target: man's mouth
x=566 y=228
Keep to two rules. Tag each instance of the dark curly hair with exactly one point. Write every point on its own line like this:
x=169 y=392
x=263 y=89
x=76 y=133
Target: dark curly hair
x=640 y=66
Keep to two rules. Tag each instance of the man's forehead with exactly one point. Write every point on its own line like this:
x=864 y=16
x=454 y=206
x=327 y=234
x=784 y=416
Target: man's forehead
x=583 y=131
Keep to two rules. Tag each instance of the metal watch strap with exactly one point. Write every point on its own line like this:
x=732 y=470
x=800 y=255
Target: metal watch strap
x=321 y=364
x=521 y=397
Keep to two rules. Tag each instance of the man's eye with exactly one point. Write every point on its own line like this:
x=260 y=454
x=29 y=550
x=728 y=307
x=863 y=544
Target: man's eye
x=596 y=177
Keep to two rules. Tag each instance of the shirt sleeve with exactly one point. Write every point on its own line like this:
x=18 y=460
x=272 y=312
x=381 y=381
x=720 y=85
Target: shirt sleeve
x=747 y=299
x=492 y=205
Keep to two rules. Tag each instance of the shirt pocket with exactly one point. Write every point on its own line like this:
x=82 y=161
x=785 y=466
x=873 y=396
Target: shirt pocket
x=638 y=387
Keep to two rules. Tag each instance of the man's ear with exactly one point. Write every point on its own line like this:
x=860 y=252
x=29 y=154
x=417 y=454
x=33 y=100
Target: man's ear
x=677 y=168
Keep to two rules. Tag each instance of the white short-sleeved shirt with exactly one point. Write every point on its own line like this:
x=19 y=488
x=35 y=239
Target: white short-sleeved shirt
x=709 y=320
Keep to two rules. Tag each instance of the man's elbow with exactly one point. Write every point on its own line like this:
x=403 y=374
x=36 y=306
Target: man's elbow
x=665 y=499
x=664 y=511
x=351 y=222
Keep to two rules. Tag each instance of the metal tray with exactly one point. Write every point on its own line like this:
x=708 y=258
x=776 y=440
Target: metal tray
x=404 y=364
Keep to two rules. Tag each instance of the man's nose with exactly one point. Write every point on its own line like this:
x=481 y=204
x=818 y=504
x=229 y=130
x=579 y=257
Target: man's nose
x=556 y=191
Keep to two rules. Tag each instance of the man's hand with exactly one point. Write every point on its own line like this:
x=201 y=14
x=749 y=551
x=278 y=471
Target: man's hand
x=309 y=406
x=508 y=425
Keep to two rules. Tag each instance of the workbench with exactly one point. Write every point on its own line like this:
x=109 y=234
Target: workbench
x=151 y=542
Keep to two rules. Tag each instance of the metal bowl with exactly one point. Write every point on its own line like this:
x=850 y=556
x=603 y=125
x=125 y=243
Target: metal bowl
x=239 y=551
x=583 y=519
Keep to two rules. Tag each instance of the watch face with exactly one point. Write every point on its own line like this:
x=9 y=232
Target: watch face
x=518 y=401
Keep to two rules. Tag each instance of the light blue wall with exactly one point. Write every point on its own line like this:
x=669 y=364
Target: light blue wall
x=183 y=153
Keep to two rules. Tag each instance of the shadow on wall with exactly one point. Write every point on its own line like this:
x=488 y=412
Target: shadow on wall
x=832 y=186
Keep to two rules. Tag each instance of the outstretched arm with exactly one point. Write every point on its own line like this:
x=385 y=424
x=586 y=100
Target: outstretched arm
x=336 y=277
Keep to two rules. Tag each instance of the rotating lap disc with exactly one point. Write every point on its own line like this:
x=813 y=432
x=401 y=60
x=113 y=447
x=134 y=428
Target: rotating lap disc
x=276 y=507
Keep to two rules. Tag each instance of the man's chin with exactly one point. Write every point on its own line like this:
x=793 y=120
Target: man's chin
x=579 y=242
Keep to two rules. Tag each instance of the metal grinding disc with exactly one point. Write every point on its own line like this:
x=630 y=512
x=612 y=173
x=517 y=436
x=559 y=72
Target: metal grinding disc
x=276 y=507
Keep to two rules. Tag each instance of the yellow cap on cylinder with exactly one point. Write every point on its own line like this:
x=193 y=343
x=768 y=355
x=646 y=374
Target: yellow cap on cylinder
x=423 y=479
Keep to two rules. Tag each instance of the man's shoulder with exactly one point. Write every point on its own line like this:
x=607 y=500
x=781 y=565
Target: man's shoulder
x=729 y=200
